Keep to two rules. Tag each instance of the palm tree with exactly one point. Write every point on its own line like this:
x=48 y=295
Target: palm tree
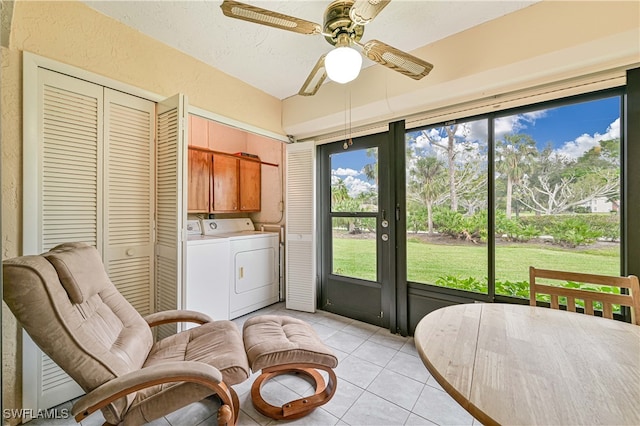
x=513 y=159
x=370 y=170
x=428 y=185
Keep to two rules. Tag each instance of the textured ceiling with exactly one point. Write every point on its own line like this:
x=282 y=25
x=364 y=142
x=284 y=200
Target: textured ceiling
x=276 y=61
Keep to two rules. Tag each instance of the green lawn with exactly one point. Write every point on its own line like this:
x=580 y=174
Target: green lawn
x=428 y=262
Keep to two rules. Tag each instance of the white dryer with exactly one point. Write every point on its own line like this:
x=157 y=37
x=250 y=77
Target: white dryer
x=254 y=258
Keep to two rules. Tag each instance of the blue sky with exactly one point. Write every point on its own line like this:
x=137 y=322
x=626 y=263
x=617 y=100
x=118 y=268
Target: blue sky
x=571 y=130
x=567 y=123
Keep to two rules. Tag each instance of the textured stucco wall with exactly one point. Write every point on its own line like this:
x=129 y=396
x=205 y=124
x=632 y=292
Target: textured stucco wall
x=11 y=136
x=72 y=33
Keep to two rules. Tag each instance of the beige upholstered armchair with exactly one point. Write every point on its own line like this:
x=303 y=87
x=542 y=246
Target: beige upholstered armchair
x=67 y=304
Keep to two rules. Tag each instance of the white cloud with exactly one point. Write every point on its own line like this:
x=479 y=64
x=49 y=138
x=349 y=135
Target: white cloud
x=357 y=186
x=516 y=123
x=344 y=172
x=583 y=143
x=477 y=131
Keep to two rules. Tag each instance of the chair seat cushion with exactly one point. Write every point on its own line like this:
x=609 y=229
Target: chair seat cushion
x=271 y=340
x=216 y=343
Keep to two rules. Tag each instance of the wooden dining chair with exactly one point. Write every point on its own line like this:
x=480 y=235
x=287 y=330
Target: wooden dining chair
x=632 y=300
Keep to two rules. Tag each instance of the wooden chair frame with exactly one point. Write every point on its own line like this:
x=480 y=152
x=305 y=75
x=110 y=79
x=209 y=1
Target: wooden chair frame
x=302 y=406
x=632 y=300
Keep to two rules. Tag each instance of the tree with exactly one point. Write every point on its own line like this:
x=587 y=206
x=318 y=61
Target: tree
x=341 y=201
x=514 y=154
x=559 y=184
x=427 y=185
x=370 y=170
x=449 y=148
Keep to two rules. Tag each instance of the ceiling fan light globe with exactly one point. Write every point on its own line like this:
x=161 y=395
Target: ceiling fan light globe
x=343 y=64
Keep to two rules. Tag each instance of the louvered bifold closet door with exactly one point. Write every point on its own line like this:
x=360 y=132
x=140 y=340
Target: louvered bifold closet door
x=71 y=170
x=300 y=247
x=129 y=130
x=63 y=171
x=171 y=169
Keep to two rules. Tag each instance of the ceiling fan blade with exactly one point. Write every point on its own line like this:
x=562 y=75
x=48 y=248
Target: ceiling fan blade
x=397 y=60
x=246 y=12
x=315 y=79
x=363 y=11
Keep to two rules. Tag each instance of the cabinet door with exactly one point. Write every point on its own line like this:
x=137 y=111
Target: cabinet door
x=250 y=176
x=225 y=183
x=198 y=189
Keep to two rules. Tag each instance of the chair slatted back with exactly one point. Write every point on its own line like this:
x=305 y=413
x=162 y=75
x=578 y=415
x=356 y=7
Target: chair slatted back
x=589 y=297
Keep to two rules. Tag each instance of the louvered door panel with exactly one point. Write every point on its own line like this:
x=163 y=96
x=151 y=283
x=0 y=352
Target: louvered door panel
x=129 y=188
x=300 y=253
x=171 y=169
x=62 y=201
x=71 y=138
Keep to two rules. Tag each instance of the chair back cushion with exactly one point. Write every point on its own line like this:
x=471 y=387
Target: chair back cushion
x=80 y=271
x=67 y=304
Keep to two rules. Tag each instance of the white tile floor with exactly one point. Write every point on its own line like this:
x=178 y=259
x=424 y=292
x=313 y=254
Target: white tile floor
x=381 y=381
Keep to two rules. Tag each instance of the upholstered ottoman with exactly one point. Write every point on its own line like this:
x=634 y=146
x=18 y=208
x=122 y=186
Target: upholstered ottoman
x=285 y=345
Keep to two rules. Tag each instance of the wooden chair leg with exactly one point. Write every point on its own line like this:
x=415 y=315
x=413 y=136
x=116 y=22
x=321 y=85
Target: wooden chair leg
x=299 y=407
x=229 y=411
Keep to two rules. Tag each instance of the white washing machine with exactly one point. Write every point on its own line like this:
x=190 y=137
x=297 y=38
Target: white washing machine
x=207 y=286
x=254 y=258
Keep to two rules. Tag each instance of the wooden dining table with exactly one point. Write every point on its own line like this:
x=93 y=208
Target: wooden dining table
x=523 y=365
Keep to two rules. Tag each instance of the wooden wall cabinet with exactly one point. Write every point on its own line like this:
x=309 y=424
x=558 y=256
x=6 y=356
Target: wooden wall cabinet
x=220 y=182
x=249 y=185
x=223 y=183
x=199 y=189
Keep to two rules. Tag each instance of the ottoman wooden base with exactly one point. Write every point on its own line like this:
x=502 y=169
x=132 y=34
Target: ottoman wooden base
x=300 y=407
x=278 y=345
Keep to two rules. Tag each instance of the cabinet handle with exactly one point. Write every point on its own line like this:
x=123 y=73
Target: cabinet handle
x=241 y=272
x=129 y=252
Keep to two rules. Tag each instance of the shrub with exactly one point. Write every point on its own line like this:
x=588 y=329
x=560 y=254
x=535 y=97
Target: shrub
x=457 y=225
x=607 y=225
x=573 y=232
x=468 y=283
x=448 y=222
x=513 y=288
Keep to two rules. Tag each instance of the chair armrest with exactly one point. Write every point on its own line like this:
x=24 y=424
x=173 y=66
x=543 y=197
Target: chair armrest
x=176 y=315
x=176 y=371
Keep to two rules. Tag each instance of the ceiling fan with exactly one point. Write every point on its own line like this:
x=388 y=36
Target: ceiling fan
x=344 y=22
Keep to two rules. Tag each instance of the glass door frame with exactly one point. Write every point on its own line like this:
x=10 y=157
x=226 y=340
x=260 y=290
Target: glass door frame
x=385 y=264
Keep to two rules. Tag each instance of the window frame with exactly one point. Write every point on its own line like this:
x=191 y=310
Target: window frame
x=445 y=295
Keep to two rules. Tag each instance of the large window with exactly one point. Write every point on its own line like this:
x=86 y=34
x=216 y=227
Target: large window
x=551 y=192
x=447 y=205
